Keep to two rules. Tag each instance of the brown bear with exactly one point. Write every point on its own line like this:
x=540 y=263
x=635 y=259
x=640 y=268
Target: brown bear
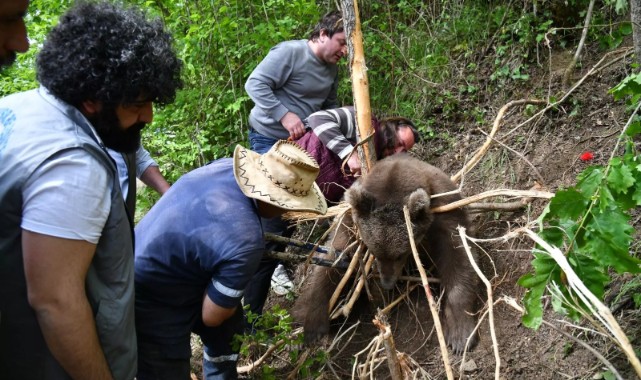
x=377 y=202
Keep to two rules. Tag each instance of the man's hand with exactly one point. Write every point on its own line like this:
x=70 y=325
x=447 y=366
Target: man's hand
x=354 y=164
x=294 y=125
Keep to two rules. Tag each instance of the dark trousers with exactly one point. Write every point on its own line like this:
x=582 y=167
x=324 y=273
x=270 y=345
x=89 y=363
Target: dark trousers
x=159 y=362
x=258 y=289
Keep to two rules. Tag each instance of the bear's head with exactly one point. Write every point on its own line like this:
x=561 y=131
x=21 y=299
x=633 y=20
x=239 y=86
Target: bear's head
x=383 y=228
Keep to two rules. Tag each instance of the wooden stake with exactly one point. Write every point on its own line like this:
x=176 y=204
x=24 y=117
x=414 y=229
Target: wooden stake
x=360 y=84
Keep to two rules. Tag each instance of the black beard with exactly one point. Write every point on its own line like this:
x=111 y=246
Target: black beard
x=113 y=135
x=7 y=60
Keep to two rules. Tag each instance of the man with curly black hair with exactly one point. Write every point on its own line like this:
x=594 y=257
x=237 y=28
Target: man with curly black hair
x=13 y=33
x=66 y=244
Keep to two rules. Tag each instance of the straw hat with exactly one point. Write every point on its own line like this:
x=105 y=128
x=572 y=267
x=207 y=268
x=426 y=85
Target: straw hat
x=283 y=177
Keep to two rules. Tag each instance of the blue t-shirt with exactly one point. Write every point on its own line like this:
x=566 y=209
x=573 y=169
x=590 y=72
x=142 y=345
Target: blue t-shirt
x=204 y=234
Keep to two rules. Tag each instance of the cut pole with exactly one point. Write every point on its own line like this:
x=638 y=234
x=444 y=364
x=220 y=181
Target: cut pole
x=360 y=84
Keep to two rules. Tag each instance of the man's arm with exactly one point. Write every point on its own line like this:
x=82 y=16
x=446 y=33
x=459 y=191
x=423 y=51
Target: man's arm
x=336 y=129
x=55 y=270
x=148 y=172
x=153 y=177
x=213 y=314
x=272 y=73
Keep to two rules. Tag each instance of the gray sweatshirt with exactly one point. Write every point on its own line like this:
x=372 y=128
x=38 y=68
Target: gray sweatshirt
x=290 y=78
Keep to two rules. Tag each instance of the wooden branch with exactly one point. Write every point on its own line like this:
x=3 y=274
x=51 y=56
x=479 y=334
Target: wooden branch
x=250 y=367
x=497 y=122
x=493 y=193
x=430 y=298
x=590 y=300
x=347 y=308
x=348 y=274
x=360 y=84
x=586 y=25
x=490 y=304
x=385 y=334
x=344 y=206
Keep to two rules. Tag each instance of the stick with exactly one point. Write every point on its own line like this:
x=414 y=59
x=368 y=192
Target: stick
x=250 y=367
x=497 y=122
x=390 y=348
x=360 y=84
x=347 y=308
x=430 y=298
x=490 y=305
x=493 y=193
x=341 y=284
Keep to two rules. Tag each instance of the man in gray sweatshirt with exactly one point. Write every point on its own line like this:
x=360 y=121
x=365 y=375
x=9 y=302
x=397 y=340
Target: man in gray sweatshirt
x=294 y=80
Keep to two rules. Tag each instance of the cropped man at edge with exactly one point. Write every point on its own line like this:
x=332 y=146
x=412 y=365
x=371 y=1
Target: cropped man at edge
x=13 y=33
x=66 y=255
x=294 y=80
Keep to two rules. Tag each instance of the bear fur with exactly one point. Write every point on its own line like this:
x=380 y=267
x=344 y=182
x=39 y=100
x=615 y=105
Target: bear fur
x=377 y=202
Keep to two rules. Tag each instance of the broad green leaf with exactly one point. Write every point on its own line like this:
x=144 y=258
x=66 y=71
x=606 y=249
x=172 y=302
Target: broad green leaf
x=533 y=316
x=568 y=204
x=607 y=240
x=589 y=180
x=620 y=177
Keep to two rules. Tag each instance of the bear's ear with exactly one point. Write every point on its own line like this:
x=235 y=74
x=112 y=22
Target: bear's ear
x=418 y=203
x=362 y=201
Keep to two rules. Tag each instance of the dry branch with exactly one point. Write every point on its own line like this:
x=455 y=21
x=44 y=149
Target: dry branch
x=570 y=69
x=430 y=298
x=360 y=84
x=497 y=122
x=493 y=193
x=343 y=207
x=386 y=336
x=251 y=366
x=490 y=304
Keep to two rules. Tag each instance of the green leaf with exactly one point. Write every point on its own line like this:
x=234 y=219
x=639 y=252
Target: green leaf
x=593 y=275
x=590 y=180
x=568 y=204
x=620 y=177
x=625 y=28
x=633 y=129
x=533 y=316
x=607 y=240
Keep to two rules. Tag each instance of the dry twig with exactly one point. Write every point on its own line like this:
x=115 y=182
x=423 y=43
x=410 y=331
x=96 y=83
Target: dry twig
x=430 y=298
x=490 y=303
x=386 y=336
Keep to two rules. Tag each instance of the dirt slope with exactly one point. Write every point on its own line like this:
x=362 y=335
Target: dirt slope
x=545 y=151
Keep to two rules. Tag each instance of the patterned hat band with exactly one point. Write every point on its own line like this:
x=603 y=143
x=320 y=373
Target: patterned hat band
x=284 y=176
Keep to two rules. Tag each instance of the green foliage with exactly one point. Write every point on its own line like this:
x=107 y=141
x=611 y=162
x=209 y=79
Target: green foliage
x=273 y=326
x=590 y=222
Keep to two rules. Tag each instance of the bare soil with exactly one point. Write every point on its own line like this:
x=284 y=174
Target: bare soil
x=543 y=151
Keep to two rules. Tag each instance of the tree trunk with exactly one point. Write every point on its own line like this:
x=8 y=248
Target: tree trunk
x=360 y=85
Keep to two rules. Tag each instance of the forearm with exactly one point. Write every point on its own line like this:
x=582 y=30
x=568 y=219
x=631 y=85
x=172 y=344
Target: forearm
x=154 y=179
x=70 y=332
x=332 y=130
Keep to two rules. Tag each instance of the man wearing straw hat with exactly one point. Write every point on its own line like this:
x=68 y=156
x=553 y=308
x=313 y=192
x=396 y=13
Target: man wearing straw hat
x=197 y=249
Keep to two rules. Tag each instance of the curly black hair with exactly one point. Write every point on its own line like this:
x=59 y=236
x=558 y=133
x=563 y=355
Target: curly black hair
x=108 y=53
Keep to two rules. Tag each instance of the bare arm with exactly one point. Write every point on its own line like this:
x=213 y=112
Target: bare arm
x=214 y=315
x=153 y=177
x=55 y=270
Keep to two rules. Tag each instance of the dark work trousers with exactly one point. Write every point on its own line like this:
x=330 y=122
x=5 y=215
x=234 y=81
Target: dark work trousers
x=159 y=362
x=258 y=288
